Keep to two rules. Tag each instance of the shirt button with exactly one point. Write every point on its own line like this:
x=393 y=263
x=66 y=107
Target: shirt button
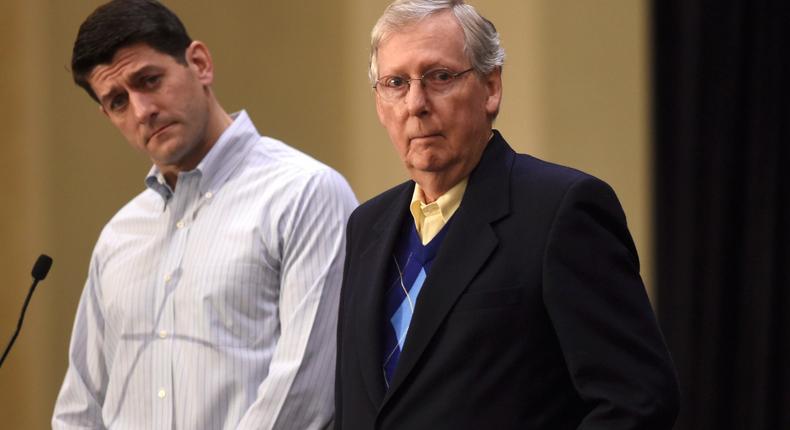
x=209 y=195
x=180 y=224
x=168 y=278
x=162 y=393
x=163 y=334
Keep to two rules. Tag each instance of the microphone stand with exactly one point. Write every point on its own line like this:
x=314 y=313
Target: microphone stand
x=40 y=270
x=19 y=324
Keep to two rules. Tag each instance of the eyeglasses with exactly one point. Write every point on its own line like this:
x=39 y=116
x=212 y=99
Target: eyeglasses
x=435 y=82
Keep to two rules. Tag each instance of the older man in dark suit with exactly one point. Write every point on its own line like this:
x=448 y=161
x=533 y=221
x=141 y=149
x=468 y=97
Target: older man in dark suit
x=494 y=290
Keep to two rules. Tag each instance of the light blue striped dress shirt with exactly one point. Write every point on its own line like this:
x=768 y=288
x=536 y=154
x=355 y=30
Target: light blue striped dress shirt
x=214 y=306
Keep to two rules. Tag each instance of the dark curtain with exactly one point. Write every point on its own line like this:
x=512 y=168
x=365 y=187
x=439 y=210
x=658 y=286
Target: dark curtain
x=721 y=116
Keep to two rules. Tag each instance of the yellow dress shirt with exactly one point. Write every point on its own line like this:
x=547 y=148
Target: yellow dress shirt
x=430 y=218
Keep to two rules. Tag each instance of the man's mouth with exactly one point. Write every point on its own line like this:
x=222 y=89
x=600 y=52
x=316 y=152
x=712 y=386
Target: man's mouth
x=159 y=130
x=426 y=136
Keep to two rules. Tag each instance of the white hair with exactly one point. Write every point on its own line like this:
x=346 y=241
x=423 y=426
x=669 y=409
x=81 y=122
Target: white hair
x=481 y=40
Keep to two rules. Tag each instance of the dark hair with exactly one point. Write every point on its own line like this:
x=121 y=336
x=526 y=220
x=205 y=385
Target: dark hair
x=120 y=23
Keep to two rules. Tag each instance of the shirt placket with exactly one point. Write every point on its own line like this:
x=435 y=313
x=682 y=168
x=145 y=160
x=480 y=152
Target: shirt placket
x=171 y=269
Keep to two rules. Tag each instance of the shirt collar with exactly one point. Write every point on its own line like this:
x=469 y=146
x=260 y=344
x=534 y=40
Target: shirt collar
x=222 y=159
x=446 y=204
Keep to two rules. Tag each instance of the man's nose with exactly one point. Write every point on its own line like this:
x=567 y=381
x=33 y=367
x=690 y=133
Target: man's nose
x=416 y=98
x=143 y=106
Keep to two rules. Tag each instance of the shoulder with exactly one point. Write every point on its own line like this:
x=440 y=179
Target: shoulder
x=535 y=189
x=548 y=181
x=525 y=176
x=289 y=173
x=134 y=217
x=567 y=199
x=532 y=171
x=144 y=206
x=282 y=160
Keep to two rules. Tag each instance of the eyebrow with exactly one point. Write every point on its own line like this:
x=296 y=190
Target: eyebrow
x=434 y=65
x=133 y=78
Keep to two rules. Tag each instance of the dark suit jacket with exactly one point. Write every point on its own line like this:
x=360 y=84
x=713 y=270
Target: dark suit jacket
x=533 y=315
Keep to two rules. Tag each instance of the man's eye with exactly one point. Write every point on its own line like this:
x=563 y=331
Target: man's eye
x=152 y=81
x=117 y=103
x=394 y=82
x=439 y=76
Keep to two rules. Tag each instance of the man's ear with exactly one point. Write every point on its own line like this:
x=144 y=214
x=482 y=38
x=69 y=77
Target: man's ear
x=199 y=59
x=493 y=83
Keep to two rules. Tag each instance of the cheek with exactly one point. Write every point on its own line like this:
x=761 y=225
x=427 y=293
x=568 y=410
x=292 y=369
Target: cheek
x=466 y=116
x=388 y=118
x=382 y=112
x=400 y=145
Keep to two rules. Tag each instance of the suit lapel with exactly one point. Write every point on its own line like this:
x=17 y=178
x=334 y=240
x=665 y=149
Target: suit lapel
x=369 y=293
x=468 y=244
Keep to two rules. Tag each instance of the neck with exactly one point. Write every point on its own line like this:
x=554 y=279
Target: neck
x=217 y=122
x=433 y=186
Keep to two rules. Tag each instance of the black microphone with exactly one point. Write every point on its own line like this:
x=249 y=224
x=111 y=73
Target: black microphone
x=39 y=272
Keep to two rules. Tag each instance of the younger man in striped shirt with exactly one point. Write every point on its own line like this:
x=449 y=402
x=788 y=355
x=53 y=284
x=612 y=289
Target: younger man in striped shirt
x=211 y=297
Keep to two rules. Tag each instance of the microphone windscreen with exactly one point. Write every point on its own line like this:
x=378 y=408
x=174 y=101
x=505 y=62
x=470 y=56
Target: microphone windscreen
x=41 y=268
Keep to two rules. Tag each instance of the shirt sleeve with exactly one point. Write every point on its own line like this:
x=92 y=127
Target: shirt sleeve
x=79 y=404
x=298 y=390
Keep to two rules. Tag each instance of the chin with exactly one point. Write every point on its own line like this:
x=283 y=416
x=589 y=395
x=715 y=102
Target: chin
x=429 y=166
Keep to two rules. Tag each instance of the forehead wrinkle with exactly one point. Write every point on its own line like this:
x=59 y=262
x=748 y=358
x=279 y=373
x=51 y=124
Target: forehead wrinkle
x=114 y=73
x=422 y=39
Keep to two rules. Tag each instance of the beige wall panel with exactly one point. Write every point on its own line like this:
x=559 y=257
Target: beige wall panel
x=24 y=229
x=595 y=74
